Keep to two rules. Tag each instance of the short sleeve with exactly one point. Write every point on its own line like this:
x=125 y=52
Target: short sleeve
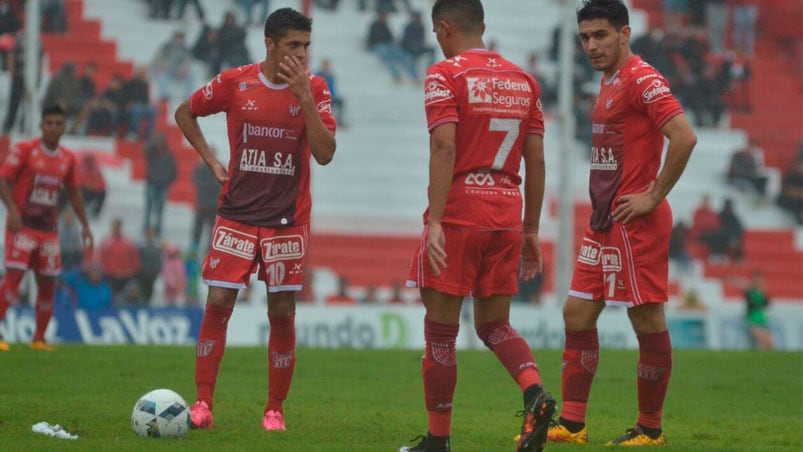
x=211 y=98
x=535 y=126
x=440 y=97
x=14 y=162
x=650 y=94
x=323 y=102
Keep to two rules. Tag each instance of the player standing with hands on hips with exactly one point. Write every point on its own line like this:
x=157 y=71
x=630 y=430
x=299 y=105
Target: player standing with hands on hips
x=484 y=115
x=278 y=115
x=624 y=256
x=31 y=180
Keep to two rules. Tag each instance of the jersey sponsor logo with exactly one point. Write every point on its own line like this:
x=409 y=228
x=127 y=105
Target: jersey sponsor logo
x=296 y=109
x=51 y=248
x=589 y=252
x=656 y=90
x=234 y=242
x=23 y=242
x=493 y=63
x=598 y=128
x=44 y=196
x=251 y=130
x=645 y=77
x=435 y=76
x=486 y=90
x=603 y=159
x=256 y=160
x=282 y=247
x=208 y=90
x=325 y=107
x=480 y=179
x=436 y=92
x=650 y=373
x=611 y=259
x=456 y=60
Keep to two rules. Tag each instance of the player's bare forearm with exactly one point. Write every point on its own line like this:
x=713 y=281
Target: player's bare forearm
x=8 y=198
x=321 y=141
x=441 y=169
x=188 y=123
x=534 y=175
x=681 y=143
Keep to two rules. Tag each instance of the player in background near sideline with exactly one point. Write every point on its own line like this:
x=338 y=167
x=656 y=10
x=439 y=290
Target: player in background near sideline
x=277 y=115
x=31 y=180
x=623 y=259
x=484 y=115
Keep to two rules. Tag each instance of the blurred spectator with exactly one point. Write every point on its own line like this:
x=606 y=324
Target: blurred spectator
x=705 y=226
x=54 y=16
x=307 y=292
x=530 y=291
x=746 y=169
x=65 y=90
x=88 y=288
x=338 y=104
x=174 y=276
x=651 y=47
x=150 y=255
x=119 y=258
x=716 y=20
x=549 y=95
x=743 y=37
x=705 y=98
x=107 y=116
x=15 y=58
x=381 y=42
x=757 y=300
x=396 y=293
x=735 y=80
x=182 y=5
x=193 y=269
x=131 y=295
x=370 y=296
x=207 y=191
x=248 y=11
x=389 y=6
x=691 y=302
x=791 y=197
x=678 y=249
x=413 y=42
x=232 y=41
x=88 y=98
x=9 y=25
x=159 y=9
x=139 y=109
x=172 y=65
x=676 y=14
x=92 y=184
x=70 y=243
x=207 y=50
x=160 y=172
x=342 y=296
x=732 y=231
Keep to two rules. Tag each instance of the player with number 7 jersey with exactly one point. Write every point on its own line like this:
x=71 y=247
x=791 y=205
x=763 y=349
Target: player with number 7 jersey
x=496 y=105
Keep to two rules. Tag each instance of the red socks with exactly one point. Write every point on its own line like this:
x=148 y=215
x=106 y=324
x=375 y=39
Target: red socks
x=512 y=351
x=580 y=358
x=654 y=370
x=9 y=290
x=439 y=369
x=281 y=359
x=209 y=351
x=44 y=310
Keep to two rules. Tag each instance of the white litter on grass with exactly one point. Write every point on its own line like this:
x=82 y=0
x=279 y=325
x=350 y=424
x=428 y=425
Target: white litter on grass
x=52 y=430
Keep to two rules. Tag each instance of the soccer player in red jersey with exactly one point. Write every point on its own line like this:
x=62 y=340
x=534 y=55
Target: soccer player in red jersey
x=31 y=179
x=623 y=259
x=278 y=115
x=484 y=115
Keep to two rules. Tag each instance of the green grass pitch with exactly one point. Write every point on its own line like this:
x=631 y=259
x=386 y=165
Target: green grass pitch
x=369 y=400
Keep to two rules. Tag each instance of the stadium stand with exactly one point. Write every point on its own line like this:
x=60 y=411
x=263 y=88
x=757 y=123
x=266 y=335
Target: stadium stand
x=368 y=202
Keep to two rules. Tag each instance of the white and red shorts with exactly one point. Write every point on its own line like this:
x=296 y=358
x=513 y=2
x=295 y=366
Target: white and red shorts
x=29 y=249
x=627 y=265
x=237 y=250
x=479 y=263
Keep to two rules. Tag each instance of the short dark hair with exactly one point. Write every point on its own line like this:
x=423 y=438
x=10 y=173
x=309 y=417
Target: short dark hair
x=54 y=109
x=614 y=11
x=465 y=15
x=283 y=20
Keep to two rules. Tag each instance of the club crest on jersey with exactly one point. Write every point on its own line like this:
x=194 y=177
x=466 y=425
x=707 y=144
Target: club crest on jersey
x=294 y=109
x=282 y=247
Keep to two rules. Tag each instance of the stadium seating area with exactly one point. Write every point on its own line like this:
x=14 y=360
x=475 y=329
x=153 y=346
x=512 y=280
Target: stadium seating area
x=368 y=202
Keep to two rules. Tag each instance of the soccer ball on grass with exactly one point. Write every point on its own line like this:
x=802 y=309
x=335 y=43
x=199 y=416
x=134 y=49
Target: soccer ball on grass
x=161 y=413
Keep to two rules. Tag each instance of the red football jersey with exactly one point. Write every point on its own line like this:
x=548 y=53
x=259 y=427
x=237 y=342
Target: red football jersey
x=495 y=105
x=627 y=141
x=269 y=162
x=37 y=176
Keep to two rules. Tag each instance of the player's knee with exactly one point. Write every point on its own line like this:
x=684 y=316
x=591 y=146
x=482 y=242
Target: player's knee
x=494 y=333
x=11 y=286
